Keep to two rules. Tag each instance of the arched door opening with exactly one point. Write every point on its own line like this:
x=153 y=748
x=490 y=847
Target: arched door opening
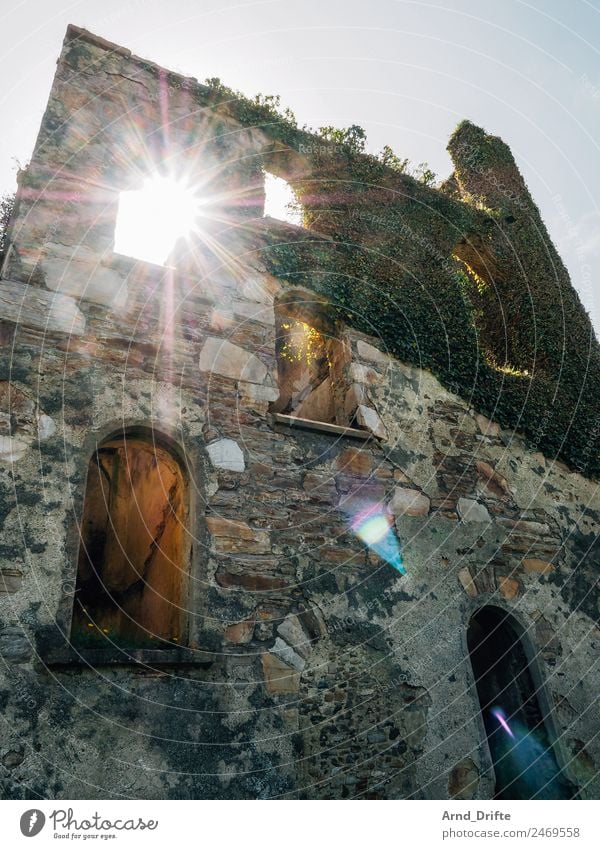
x=133 y=557
x=520 y=744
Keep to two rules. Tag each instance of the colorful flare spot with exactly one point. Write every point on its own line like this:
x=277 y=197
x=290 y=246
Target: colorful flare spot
x=374 y=526
x=499 y=714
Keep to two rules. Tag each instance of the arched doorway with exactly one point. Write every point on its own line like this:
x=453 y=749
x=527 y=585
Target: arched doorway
x=520 y=743
x=133 y=557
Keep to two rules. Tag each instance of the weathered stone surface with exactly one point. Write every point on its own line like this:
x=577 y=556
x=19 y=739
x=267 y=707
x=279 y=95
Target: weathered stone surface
x=286 y=653
x=534 y=564
x=12 y=449
x=229 y=528
x=360 y=373
x=318 y=405
x=280 y=678
x=355 y=396
x=486 y=426
x=231 y=536
x=219 y=356
x=10 y=581
x=409 y=502
x=493 y=481
x=463 y=781
x=370 y=352
x=255 y=311
x=46 y=427
x=249 y=581
x=14 y=645
x=259 y=393
x=464 y=576
x=240 y=633
x=368 y=418
x=354 y=461
x=472 y=511
x=226 y=454
x=13 y=758
x=294 y=634
x=260 y=288
x=75 y=271
x=37 y=308
x=509 y=588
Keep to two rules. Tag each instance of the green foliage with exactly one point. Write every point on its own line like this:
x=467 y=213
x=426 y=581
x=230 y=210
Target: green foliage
x=351 y=138
x=389 y=269
x=388 y=158
x=7 y=203
x=424 y=174
x=261 y=110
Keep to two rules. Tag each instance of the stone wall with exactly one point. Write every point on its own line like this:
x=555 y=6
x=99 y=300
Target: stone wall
x=315 y=668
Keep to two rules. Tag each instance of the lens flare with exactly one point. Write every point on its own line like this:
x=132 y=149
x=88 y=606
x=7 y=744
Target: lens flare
x=499 y=714
x=375 y=527
x=151 y=220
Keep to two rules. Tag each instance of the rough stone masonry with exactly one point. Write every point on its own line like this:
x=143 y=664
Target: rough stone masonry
x=307 y=665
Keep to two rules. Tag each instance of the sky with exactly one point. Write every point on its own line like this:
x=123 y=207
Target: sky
x=407 y=71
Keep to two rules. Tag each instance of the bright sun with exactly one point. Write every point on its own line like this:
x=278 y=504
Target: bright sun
x=151 y=220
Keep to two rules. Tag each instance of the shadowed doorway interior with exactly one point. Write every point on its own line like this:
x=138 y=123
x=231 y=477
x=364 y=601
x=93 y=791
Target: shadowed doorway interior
x=524 y=761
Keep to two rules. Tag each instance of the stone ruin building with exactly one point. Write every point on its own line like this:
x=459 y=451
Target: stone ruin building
x=298 y=510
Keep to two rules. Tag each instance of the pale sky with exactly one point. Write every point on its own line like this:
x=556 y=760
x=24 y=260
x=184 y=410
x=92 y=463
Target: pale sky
x=406 y=70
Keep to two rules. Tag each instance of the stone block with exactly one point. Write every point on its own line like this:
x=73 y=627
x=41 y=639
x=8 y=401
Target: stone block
x=286 y=653
x=240 y=633
x=363 y=374
x=226 y=454
x=12 y=449
x=508 y=588
x=464 y=576
x=280 y=678
x=255 y=392
x=369 y=352
x=231 y=536
x=487 y=426
x=463 y=780
x=355 y=396
x=472 y=511
x=493 y=481
x=260 y=288
x=533 y=564
x=354 y=461
x=256 y=312
x=249 y=581
x=218 y=356
x=46 y=427
x=14 y=645
x=10 y=581
x=38 y=308
x=368 y=418
x=294 y=634
x=409 y=502
x=76 y=271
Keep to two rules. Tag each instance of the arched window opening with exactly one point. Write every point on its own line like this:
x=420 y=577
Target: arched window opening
x=525 y=764
x=310 y=361
x=281 y=201
x=132 y=569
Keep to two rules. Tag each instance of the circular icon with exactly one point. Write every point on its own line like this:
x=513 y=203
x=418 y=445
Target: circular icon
x=32 y=822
